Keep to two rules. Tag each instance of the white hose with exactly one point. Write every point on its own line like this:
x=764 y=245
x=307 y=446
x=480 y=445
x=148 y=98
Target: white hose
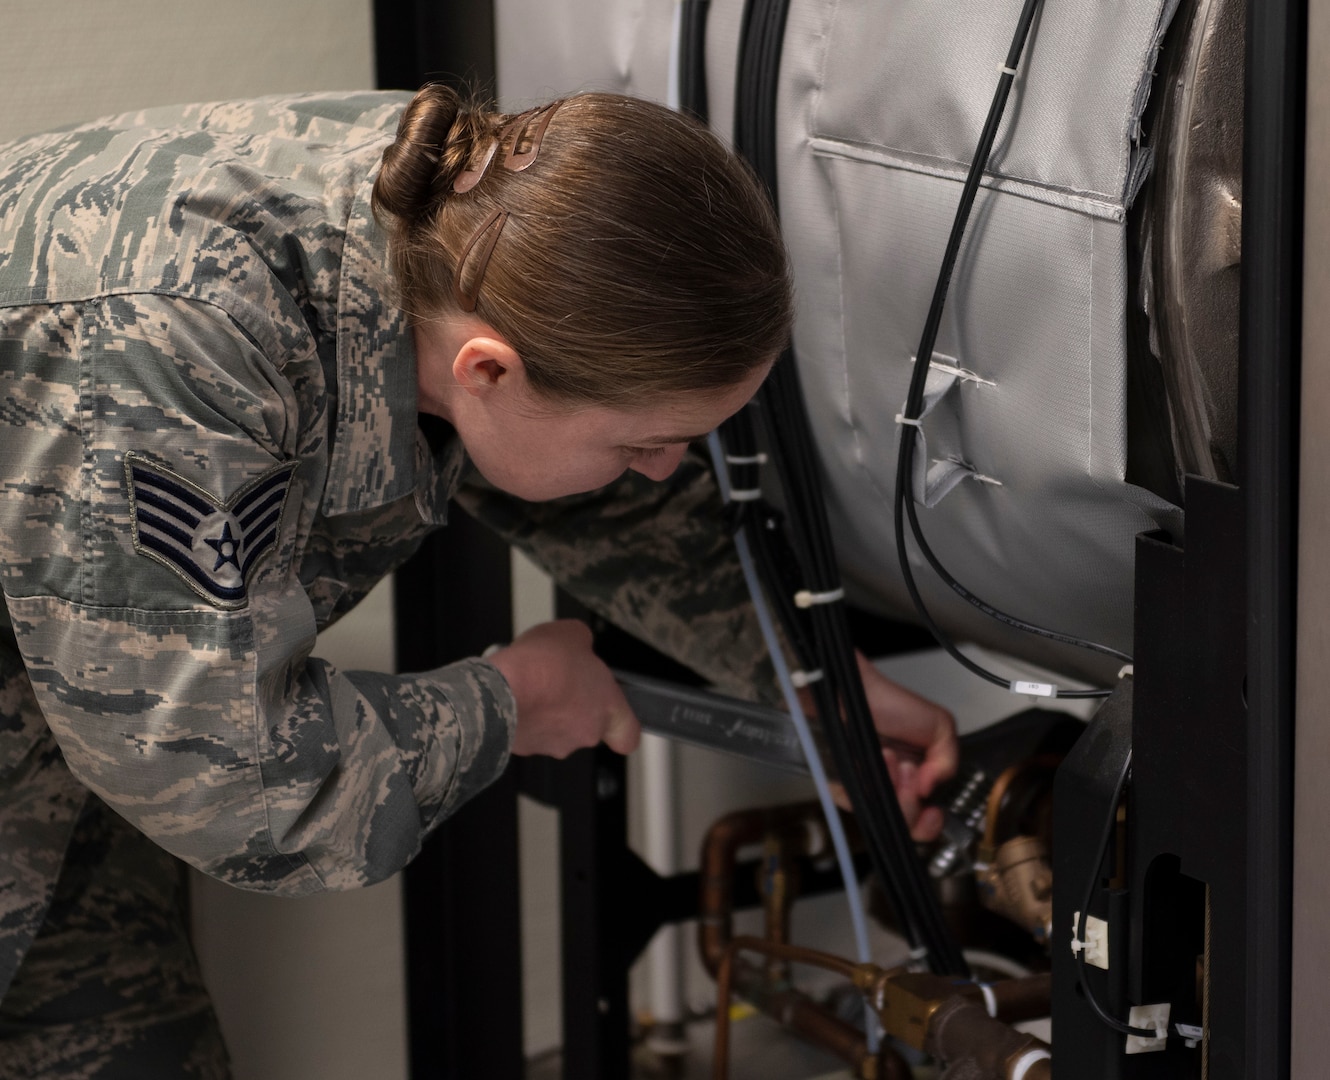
x=661 y=848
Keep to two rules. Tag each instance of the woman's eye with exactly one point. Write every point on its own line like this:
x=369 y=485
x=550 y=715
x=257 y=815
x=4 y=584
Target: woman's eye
x=647 y=452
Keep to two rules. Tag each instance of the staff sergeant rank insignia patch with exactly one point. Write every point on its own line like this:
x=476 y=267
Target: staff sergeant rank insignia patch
x=213 y=546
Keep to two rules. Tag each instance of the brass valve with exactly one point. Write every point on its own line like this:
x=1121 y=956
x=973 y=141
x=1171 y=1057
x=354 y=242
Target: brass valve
x=1016 y=882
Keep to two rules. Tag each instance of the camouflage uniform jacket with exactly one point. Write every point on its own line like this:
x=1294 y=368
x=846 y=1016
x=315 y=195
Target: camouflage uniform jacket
x=210 y=452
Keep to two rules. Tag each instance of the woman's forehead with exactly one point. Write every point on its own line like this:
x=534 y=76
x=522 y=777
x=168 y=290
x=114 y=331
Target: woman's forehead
x=685 y=416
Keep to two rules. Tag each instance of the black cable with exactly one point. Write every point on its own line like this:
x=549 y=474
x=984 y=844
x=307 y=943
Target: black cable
x=1101 y=852
x=739 y=442
x=854 y=741
x=855 y=747
x=903 y=499
x=997 y=613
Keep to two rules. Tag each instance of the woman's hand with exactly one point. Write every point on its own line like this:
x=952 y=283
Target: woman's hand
x=903 y=717
x=567 y=698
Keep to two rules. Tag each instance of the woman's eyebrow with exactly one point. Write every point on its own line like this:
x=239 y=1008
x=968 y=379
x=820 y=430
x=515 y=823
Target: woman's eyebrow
x=665 y=440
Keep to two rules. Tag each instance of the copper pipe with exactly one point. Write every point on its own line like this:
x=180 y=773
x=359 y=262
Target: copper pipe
x=963 y=1031
x=720 y=1052
x=791 y=1009
x=955 y=1027
x=997 y=795
x=800 y=1014
x=799 y=955
x=795 y=1011
x=1026 y=998
x=720 y=851
x=785 y=829
x=777 y=885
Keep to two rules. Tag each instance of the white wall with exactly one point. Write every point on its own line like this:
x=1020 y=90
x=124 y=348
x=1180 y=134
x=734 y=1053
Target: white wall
x=64 y=61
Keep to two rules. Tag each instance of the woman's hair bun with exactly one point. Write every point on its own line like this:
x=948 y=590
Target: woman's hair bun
x=435 y=139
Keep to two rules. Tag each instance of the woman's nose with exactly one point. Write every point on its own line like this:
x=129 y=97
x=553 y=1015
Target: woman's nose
x=660 y=466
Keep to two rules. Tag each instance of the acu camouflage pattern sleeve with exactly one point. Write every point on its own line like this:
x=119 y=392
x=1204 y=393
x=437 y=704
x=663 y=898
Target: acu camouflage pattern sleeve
x=208 y=726
x=655 y=558
x=39 y=805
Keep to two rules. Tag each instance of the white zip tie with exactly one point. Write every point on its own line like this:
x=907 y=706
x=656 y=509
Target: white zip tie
x=805 y=599
x=746 y=459
x=1035 y=689
x=987 y=479
x=1006 y=70
x=964 y=374
x=800 y=679
x=990 y=999
x=902 y=419
x=1127 y=669
x=745 y=494
x=919 y=953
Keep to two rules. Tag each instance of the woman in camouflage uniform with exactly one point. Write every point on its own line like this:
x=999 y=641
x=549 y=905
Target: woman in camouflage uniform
x=249 y=354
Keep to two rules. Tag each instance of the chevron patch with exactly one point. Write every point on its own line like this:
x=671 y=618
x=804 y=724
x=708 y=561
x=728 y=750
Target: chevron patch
x=213 y=546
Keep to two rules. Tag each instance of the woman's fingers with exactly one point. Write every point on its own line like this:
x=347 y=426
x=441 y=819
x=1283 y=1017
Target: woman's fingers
x=928 y=825
x=566 y=697
x=623 y=733
x=942 y=756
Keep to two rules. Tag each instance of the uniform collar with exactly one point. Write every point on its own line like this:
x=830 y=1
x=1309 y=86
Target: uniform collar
x=373 y=460
x=440 y=463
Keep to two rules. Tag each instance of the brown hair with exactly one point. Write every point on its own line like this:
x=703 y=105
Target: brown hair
x=638 y=258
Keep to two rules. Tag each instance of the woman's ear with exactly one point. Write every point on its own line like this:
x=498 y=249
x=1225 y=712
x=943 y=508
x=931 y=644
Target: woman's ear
x=486 y=363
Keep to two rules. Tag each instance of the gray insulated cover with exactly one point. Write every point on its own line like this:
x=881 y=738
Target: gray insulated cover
x=1021 y=489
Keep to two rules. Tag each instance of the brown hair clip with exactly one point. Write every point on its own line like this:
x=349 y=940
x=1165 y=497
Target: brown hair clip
x=482 y=243
x=526 y=142
x=521 y=153
x=469 y=178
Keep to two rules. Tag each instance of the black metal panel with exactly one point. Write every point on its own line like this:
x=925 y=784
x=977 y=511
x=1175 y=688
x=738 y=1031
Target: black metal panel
x=416 y=41
x=1269 y=350
x=461 y=894
x=1083 y=796
x=463 y=945
x=602 y=933
x=1188 y=806
x=593 y=840
x=1178 y=901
